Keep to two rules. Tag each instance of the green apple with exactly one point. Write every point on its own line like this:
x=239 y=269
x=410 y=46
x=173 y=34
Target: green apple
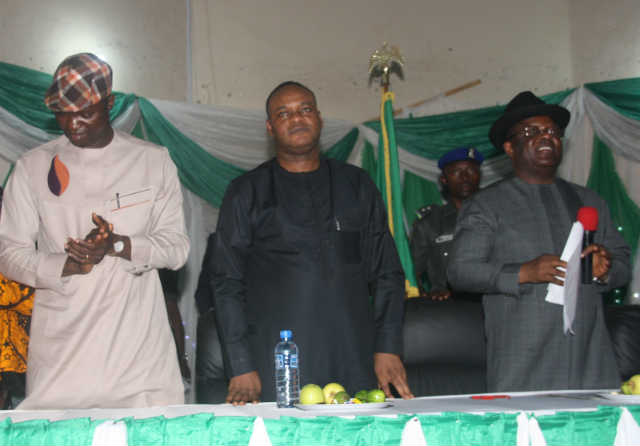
x=311 y=394
x=634 y=384
x=341 y=398
x=626 y=388
x=330 y=391
x=362 y=395
x=375 y=396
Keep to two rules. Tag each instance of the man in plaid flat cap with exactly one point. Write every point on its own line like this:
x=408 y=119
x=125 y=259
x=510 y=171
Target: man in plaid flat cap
x=88 y=219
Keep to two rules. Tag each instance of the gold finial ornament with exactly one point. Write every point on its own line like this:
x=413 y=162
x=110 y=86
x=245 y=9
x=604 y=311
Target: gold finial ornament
x=385 y=61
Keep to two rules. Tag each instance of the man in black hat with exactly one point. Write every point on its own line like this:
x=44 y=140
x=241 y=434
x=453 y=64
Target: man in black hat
x=432 y=233
x=507 y=245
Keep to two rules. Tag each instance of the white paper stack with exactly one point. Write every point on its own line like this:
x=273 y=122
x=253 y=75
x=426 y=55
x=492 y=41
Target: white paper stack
x=567 y=295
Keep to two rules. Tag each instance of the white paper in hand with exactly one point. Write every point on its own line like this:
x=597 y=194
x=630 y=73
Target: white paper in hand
x=567 y=295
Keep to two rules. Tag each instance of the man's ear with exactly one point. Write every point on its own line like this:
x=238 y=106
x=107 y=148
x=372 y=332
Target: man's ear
x=443 y=179
x=269 y=128
x=508 y=148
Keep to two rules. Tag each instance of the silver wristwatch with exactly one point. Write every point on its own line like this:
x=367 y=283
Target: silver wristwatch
x=118 y=247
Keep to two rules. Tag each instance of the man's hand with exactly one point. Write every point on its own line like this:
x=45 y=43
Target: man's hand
x=543 y=269
x=438 y=294
x=103 y=229
x=185 y=371
x=71 y=267
x=601 y=260
x=96 y=244
x=85 y=253
x=245 y=388
x=390 y=370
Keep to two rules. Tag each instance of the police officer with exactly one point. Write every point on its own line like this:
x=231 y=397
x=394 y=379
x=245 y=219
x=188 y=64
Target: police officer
x=432 y=233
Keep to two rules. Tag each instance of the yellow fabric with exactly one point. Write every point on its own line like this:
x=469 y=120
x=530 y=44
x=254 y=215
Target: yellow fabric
x=16 y=303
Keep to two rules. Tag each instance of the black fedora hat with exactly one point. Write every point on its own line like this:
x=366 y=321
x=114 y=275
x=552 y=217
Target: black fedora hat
x=523 y=106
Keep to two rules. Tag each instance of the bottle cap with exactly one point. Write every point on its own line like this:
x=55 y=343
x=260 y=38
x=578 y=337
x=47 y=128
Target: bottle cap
x=285 y=334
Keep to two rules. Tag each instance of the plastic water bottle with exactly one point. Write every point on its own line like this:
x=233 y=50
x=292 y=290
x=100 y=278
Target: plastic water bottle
x=287 y=372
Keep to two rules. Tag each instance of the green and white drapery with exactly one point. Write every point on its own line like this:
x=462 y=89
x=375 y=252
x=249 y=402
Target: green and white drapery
x=211 y=145
x=617 y=426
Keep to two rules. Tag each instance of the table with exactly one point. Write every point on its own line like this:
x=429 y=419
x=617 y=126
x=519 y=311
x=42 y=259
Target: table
x=559 y=417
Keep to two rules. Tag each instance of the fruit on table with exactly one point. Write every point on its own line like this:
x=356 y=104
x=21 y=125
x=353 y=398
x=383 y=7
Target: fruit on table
x=341 y=398
x=375 y=396
x=631 y=386
x=311 y=394
x=330 y=391
x=362 y=395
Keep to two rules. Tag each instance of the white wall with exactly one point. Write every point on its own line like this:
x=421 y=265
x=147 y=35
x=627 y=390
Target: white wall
x=243 y=49
x=606 y=46
x=605 y=42
x=143 y=40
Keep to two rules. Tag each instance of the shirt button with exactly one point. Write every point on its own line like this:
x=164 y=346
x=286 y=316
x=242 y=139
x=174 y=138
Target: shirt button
x=446 y=254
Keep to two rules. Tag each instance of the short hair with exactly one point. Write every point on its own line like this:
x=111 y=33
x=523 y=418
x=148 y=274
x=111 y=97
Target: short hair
x=284 y=85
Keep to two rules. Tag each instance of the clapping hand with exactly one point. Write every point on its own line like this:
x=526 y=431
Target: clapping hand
x=96 y=244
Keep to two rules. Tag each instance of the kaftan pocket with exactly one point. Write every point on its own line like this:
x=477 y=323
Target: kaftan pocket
x=347 y=245
x=130 y=211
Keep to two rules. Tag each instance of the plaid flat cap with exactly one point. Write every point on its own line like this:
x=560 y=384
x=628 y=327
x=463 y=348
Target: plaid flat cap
x=79 y=82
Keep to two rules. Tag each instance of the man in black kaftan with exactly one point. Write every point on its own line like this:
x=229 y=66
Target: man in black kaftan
x=303 y=244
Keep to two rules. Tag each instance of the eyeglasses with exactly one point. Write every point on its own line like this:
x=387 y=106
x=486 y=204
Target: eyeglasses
x=533 y=131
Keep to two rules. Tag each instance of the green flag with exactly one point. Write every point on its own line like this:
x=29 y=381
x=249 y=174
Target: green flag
x=388 y=181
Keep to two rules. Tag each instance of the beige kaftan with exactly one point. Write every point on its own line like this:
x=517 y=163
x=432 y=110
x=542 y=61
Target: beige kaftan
x=101 y=339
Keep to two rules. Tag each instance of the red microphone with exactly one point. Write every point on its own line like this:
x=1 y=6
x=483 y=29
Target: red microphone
x=588 y=217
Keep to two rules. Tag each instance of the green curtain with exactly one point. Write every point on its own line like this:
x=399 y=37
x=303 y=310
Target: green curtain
x=604 y=179
x=417 y=193
x=22 y=90
x=369 y=162
x=623 y=95
x=455 y=428
x=432 y=136
x=77 y=431
x=343 y=148
x=336 y=431
x=580 y=428
x=21 y=94
x=200 y=172
x=597 y=427
x=198 y=429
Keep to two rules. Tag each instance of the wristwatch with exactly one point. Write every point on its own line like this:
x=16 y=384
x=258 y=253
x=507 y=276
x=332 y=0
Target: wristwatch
x=604 y=280
x=118 y=247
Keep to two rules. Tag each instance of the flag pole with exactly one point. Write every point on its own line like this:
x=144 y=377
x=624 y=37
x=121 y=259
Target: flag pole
x=382 y=63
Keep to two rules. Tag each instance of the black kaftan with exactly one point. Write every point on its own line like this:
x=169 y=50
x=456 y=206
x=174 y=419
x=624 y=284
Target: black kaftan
x=305 y=251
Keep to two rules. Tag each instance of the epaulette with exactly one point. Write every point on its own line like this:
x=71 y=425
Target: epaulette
x=423 y=211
